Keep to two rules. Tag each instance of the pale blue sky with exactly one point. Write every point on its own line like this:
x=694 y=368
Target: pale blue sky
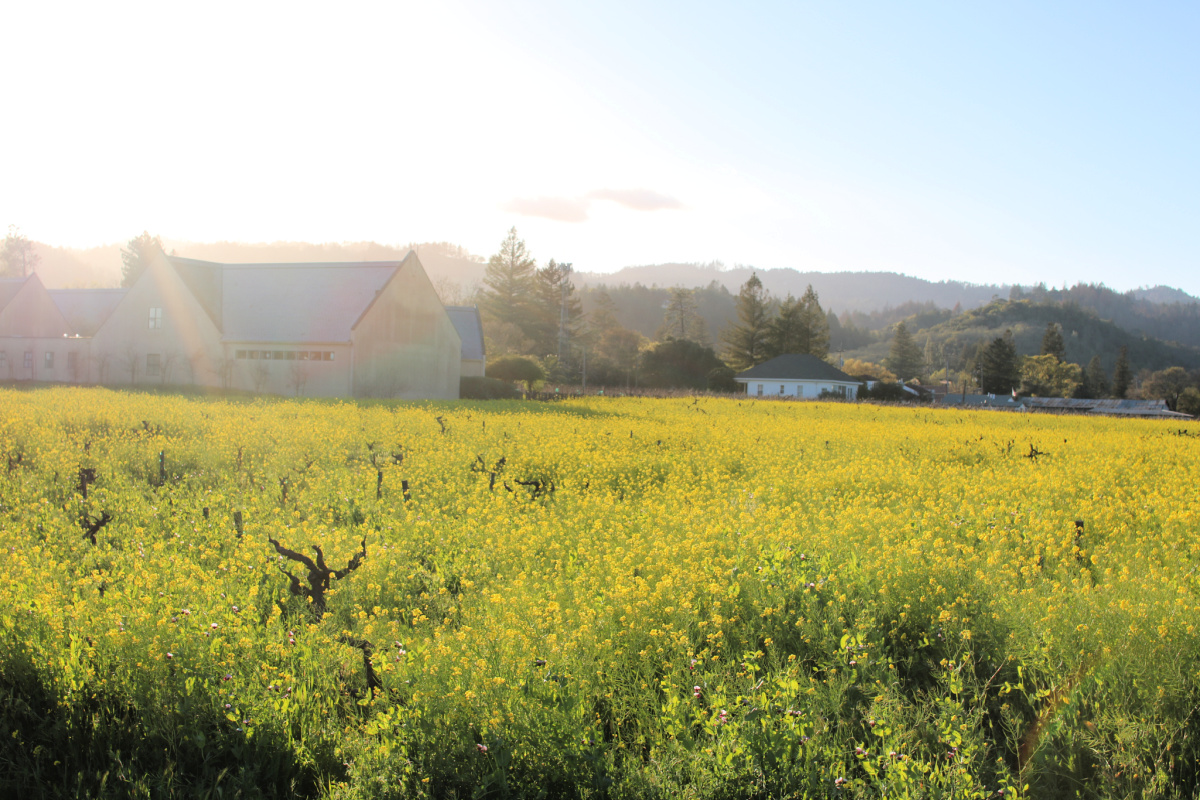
x=981 y=142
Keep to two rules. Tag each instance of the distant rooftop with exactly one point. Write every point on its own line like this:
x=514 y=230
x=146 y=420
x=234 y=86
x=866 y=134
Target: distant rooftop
x=86 y=309
x=466 y=321
x=306 y=302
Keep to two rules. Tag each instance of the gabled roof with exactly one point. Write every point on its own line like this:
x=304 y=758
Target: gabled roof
x=470 y=329
x=297 y=302
x=9 y=288
x=86 y=309
x=204 y=279
x=796 y=367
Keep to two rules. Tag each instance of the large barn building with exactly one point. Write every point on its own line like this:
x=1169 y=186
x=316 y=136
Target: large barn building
x=372 y=329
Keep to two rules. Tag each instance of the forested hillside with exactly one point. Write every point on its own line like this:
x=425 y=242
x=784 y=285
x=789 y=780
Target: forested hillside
x=955 y=339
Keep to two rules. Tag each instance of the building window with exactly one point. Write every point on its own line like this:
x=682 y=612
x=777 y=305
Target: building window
x=760 y=390
x=155 y=318
x=153 y=364
x=49 y=359
x=28 y=359
x=781 y=387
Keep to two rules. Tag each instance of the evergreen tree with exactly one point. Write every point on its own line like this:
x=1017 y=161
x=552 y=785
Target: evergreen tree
x=137 y=255
x=1052 y=342
x=508 y=294
x=746 y=339
x=558 y=314
x=905 y=357
x=1095 y=382
x=801 y=326
x=603 y=317
x=816 y=325
x=1000 y=372
x=681 y=317
x=1122 y=374
x=17 y=257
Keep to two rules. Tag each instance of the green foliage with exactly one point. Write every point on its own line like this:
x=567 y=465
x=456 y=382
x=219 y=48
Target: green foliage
x=721 y=379
x=681 y=317
x=137 y=255
x=885 y=392
x=1047 y=376
x=799 y=327
x=1189 y=401
x=678 y=364
x=1122 y=374
x=516 y=369
x=1168 y=384
x=1052 y=342
x=507 y=295
x=555 y=294
x=478 y=388
x=905 y=358
x=999 y=369
x=745 y=339
x=17 y=256
x=1095 y=382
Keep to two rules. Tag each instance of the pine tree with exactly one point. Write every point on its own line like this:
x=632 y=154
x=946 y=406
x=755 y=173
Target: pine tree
x=681 y=317
x=1095 y=382
x=1052 y=342
x=815 y=324
x=746 y=339
x=1000 y=371
x=508 y=294
x=905 y=357
x=554 y=293
x=1122 y=374
x=801 y=326
x=137 y=255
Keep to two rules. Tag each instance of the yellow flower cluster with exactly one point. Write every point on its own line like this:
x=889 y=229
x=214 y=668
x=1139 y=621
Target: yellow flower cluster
x=614 y=572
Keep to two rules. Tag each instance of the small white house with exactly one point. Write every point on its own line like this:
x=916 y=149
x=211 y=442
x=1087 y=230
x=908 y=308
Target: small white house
x=797 y=375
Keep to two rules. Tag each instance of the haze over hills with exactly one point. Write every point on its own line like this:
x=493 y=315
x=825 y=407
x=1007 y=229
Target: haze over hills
x=874 y=299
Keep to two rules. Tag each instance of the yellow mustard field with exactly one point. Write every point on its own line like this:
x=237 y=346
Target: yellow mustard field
x=599 y=597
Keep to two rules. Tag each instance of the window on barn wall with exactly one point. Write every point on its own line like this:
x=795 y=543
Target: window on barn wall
x=49 y=359
x=760 y=390
x=781 y=388
x=155 y=318
x=28 y=359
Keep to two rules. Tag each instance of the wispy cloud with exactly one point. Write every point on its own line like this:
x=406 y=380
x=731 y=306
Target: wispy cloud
x=637 y=199
x=562 y=209
x=575 y=209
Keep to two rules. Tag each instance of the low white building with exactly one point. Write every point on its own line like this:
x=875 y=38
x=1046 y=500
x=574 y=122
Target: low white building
x=797 y=375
